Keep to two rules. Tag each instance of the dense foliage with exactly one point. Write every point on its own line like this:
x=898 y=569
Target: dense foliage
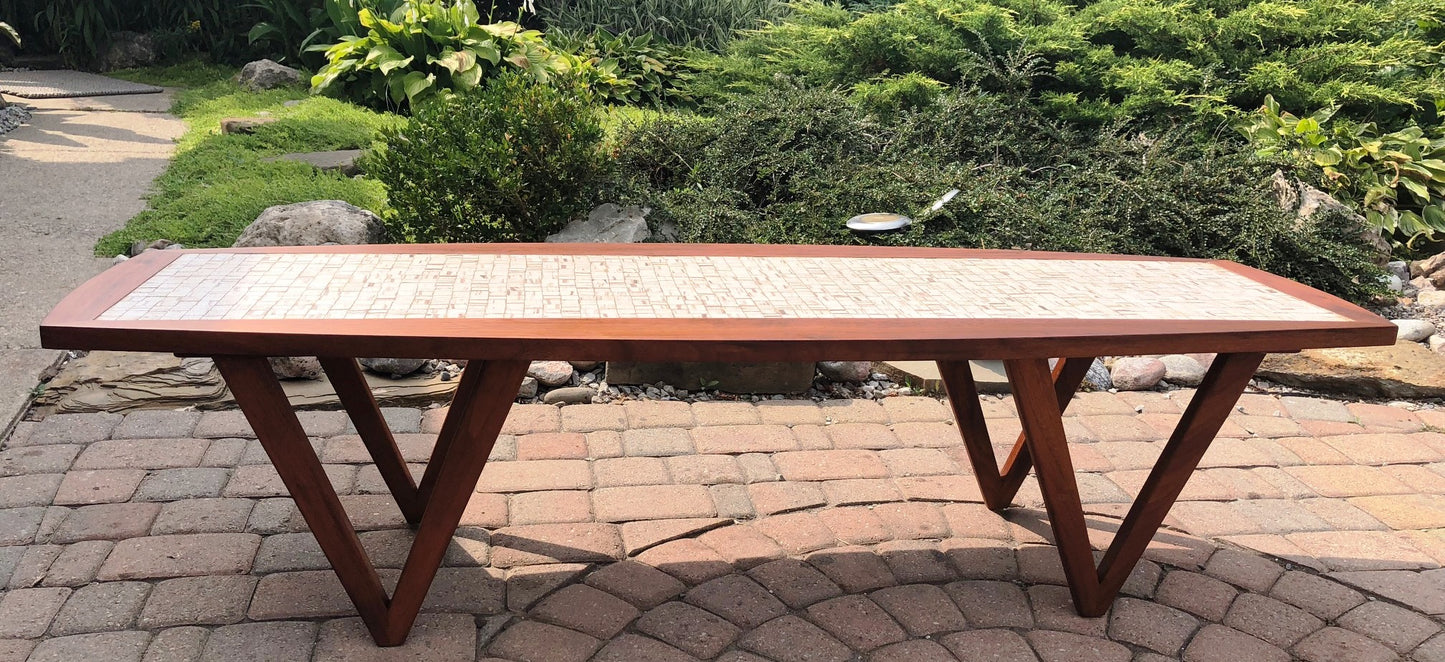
x=82 y=29
x=513 y=160
x=708 y=24
x=623 y=68
x=1151 y=61
x=1398 y=178
x=790 y=166
x=426 y=46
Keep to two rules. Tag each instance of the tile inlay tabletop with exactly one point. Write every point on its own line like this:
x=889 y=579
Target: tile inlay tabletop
x=491 y=285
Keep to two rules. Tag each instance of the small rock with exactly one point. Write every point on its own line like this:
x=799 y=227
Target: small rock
x=1394 y=283
x=1413 y=330
x=585 y=366
x=244 y=125
x=1400 y=268
x=341 y=160
x=1436 y=343
x=296 y=367
x=175 y=247
x=1205 y=359
x=528 y=388
x=846 y=371
x=128 y=50
x=1422 y=284
x=1134 y=373
x=1182 y=370
x=313 y=223
x=571 y=395
x=395 y=368
x=1098 y=376
x=137 y=247
x=1432 y=269
x=266 y=75
x=118 y=259
x=551 y=373
x=1431 y=298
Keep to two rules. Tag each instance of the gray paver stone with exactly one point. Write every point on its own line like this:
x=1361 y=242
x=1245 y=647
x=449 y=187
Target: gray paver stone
x=177 y=645
x=26 y=613
x=102 y=607
x=108 y=646
x=217 y=600
x=273 y=642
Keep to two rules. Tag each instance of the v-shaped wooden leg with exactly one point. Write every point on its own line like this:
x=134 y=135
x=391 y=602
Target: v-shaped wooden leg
x=999 y=488
x=355 y=395
x=1094 y=588
x=484 y=396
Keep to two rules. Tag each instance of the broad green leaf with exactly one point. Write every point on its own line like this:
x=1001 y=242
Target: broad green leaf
x=470 y=77
x=416 y=83
x=456 y=61
x=1328 y=156
x=1434 y=217
x=1416 y=188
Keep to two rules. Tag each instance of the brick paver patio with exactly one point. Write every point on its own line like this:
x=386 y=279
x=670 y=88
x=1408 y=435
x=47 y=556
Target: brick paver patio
x=785 y=530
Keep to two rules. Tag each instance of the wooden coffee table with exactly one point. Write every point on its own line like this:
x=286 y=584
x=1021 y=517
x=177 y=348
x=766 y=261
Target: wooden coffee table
x=502 y=306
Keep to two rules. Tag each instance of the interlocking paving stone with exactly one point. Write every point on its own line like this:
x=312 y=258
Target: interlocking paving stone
x=38 y=459
x=587 y=610
x=1000 y=645
x=110 y=646
x=1053 y=646
x=181 y=556
x=1336 y=645
x=1388 y=624
x=100 y=607
x=110 y=521
x=526 y=585
x=1271 y=620
x=182 y=644
x=26 y=613
x=688 y=628
x=282 y=642
x=1153 y=626
x=741 y=572
x=631 y=647
x=1054 y=610
x=1216 y=642
x=203 y=516
x=210 y=600
x=737 y=598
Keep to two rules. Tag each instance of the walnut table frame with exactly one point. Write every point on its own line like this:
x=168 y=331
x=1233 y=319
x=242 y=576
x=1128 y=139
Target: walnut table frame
x=501 y=306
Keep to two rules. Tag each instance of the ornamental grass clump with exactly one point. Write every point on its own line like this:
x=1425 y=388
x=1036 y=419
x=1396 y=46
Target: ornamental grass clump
x=513 y=160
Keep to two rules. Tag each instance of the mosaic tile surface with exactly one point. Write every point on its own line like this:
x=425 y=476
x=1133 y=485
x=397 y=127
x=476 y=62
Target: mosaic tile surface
x=224 y=286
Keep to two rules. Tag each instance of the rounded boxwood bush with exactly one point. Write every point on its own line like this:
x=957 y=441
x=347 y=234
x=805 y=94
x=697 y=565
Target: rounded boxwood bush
x=514 y=160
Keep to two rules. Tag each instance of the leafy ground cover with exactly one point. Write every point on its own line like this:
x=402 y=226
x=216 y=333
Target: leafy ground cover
x=217 y=184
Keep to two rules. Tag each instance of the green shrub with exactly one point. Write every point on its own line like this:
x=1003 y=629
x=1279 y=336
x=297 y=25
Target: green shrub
x=624 y=68
x=426 y=46
x=708 y=24
x=792 y=166
x=1158 y=62
x=514 y=160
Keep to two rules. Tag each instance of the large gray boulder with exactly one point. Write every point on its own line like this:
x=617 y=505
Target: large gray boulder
x=1306 y=201
x=607 y=224
x=313 y=223
x=266 y=75
x=129 y=49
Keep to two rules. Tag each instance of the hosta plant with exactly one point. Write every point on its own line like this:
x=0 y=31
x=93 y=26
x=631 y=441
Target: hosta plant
x=1396 y=179
x=624 y=68
x=426 y=46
